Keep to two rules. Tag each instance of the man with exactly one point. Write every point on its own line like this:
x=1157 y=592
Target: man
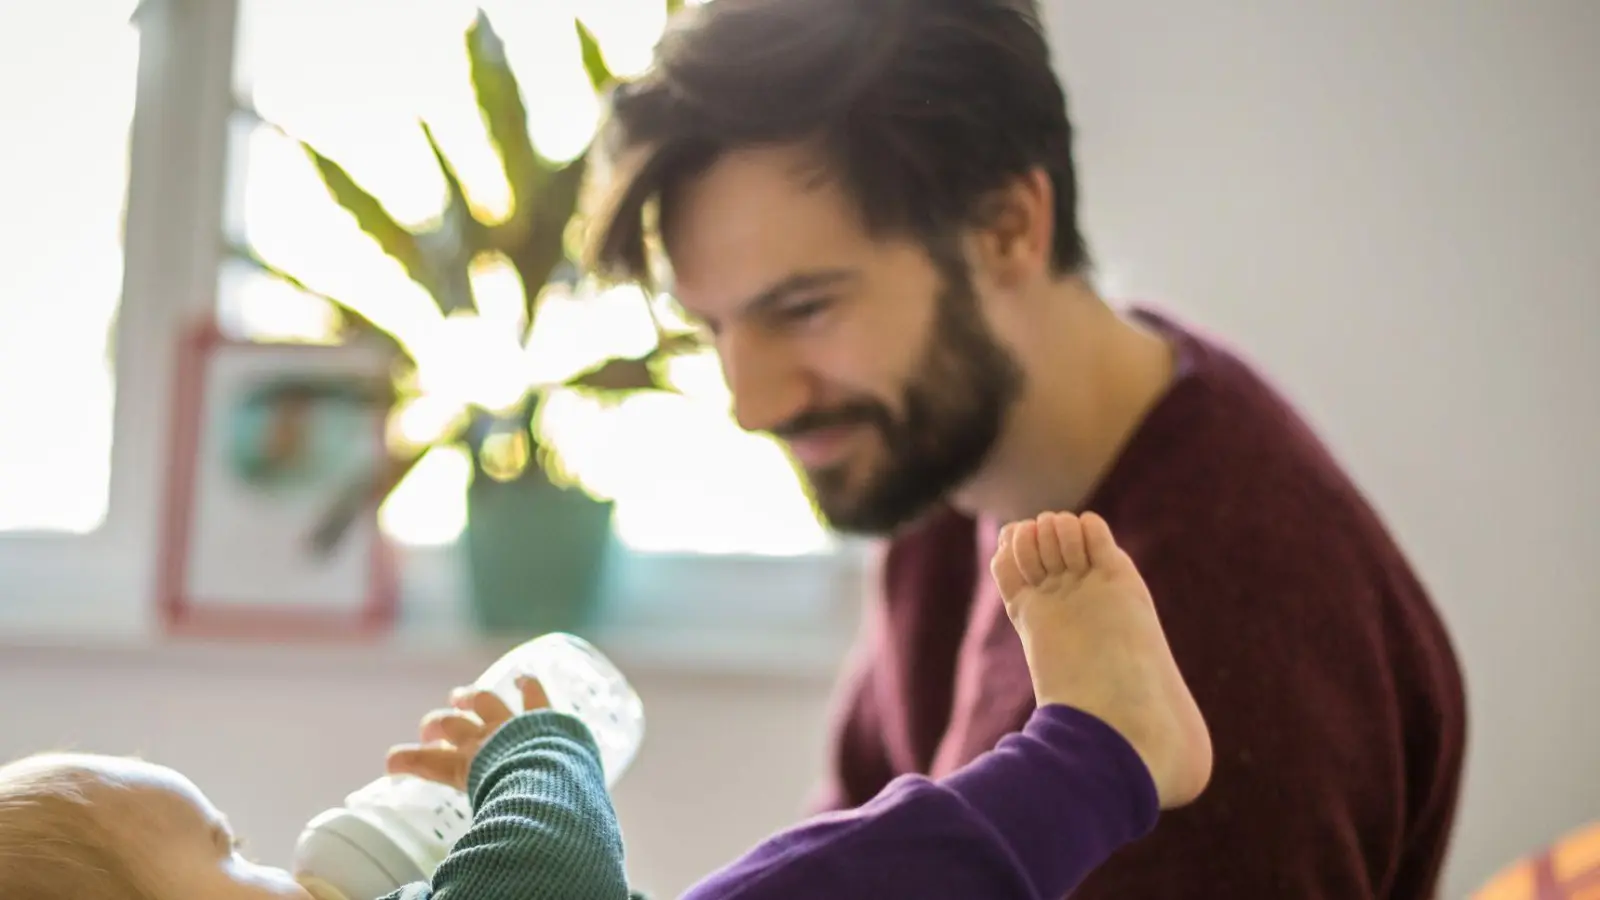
x=871 y=204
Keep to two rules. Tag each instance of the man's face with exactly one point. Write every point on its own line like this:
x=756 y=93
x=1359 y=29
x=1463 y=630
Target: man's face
x=870 y=359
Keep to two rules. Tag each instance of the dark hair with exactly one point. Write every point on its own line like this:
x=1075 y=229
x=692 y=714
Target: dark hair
x=920 y=108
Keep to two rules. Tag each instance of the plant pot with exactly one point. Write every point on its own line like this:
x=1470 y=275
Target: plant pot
x=536 y=554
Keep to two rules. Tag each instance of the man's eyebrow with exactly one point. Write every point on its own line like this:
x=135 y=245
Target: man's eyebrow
x=794 y=284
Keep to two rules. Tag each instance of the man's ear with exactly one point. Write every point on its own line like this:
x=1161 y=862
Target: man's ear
x=1015 y=230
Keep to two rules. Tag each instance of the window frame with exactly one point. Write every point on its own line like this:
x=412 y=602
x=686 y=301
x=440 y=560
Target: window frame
x=102 y=583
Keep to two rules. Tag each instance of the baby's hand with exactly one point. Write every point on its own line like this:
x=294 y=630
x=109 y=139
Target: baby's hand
x=450 y=738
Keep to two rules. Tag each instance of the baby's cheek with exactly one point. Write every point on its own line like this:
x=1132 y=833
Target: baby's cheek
x=315 y=889
x=253 y=882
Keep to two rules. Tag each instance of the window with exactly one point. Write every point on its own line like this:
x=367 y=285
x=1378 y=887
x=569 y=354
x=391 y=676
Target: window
x=67 y=86
x=353 y=78
x=139 y=127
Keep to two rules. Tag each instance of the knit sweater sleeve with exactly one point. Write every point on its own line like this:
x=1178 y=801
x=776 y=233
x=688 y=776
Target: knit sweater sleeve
x=543 y=826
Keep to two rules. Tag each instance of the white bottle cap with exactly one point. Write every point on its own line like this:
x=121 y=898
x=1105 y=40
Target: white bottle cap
x=344 y=851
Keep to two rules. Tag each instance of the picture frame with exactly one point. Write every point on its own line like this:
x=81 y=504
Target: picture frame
x=265 y=440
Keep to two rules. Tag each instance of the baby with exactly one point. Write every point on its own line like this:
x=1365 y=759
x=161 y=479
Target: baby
x=1116 y=737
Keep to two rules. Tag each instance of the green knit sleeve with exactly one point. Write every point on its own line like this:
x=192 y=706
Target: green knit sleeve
x=543 y=827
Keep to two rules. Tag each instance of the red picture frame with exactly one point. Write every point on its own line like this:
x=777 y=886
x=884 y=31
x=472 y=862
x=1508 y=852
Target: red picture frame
x=183 y=613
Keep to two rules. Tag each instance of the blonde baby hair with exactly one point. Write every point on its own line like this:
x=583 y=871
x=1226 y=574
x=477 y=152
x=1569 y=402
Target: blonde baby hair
x=52 y=845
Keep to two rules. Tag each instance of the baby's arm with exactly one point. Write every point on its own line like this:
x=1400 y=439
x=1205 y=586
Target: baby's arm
x=543 y=826
x=1028 y=821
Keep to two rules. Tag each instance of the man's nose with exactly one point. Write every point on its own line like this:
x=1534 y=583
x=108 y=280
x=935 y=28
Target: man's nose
x=769 y=387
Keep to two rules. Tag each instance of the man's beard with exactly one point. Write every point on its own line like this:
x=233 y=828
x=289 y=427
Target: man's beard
x=951 y=415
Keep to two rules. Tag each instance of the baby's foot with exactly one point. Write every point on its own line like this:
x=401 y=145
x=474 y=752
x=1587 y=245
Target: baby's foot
x=1093 y=642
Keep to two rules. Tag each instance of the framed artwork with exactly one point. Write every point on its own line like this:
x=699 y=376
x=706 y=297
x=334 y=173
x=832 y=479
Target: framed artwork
x=270 y=441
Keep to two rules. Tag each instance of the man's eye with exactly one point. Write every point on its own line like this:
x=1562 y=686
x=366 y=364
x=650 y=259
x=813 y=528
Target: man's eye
x=805 y=309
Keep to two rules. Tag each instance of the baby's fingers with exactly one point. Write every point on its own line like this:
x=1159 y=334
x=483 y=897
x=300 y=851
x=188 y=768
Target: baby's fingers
x=452 y=726
x=486 y=705
x=533 y=695
x=438 y=762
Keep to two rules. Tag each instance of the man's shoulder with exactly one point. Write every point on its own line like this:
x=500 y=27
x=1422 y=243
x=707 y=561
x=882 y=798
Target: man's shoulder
x=1290 y=538
x=1258 y=544
x=1226 y=469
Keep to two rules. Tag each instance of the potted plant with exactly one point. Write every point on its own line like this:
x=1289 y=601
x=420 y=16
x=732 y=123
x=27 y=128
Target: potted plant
x=535 y=542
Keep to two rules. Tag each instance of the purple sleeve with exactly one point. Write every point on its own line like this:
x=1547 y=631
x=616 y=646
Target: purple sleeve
x=1028 y=820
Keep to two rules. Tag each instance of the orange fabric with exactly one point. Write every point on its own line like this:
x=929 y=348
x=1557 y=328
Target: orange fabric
x=1567 y=870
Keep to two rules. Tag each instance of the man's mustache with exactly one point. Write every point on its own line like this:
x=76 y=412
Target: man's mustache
x=863 y=413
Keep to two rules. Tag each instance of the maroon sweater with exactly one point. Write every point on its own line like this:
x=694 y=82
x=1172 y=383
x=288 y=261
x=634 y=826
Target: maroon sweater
x=1327 y=678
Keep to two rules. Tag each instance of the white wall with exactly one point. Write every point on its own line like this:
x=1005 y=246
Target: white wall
x=1395 y=207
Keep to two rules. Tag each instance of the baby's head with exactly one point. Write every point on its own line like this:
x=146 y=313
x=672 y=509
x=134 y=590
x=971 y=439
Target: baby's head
x=78 y=827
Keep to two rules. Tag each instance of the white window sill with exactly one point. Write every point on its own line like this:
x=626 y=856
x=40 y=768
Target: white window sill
x=740 y=616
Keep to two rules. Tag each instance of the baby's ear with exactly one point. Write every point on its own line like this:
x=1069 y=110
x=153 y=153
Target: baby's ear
x=320 y=890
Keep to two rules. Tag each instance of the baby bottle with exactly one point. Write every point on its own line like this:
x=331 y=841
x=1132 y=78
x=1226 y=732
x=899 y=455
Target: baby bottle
x=398 y=829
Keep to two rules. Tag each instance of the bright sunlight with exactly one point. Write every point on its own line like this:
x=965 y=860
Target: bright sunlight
x=67 y=73
x=353 y=78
